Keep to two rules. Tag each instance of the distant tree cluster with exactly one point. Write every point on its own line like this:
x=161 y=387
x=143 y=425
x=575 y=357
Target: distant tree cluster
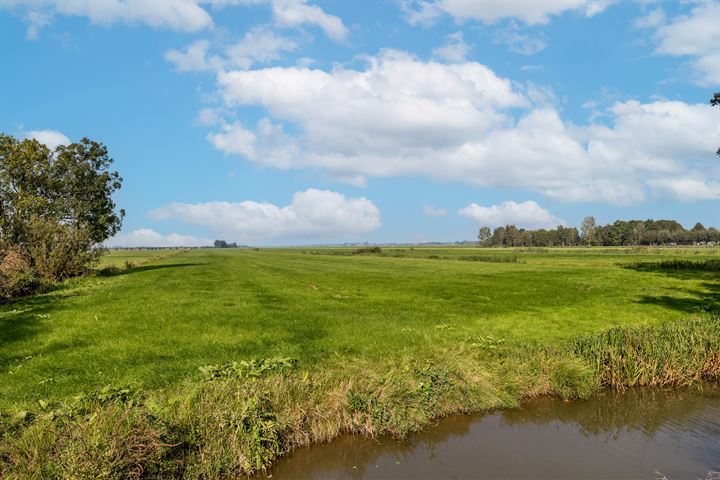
x=56 y=210
x=619 y=233
x=512 y=236
x=224 y=244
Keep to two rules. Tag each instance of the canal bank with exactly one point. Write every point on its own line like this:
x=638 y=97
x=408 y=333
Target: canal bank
x=636 y=434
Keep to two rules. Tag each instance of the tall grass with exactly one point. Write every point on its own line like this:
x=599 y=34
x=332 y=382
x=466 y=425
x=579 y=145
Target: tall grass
x=489 y=258
x=676 y=353
x=680 y=264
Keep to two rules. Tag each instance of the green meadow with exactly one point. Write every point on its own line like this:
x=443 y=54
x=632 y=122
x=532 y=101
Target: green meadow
x=157 y=323
x=378 y=343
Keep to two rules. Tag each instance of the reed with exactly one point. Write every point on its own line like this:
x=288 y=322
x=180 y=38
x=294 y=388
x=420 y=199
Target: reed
x=671 y=354
x=680 y=264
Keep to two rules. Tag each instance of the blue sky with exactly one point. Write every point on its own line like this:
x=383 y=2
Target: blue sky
x=280 y=122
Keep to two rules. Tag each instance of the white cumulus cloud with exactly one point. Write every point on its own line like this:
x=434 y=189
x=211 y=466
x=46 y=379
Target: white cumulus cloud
x=401 y=116
x=297 y=13
x=688 y=189
x=517 y=42
x=145 y=237
x=528 y=215
x=454 y=50
x=50 y=138
x=178 y=15
x=267 y=144
x=311 y=214
x=395 y=103
x=531 y=12
x=260 y=45
x=194 y=58
x=695 y=36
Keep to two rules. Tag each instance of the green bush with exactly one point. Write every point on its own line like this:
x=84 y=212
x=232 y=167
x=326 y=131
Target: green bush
x=368 y=251
x=60 y=251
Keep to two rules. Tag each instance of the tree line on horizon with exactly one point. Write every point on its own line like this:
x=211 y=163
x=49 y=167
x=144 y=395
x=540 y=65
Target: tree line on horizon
x=616 y=234
x=619 y=233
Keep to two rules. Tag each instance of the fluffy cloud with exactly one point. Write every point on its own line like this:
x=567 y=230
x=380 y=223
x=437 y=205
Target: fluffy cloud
x=178 y=15
x=652 y=20
x=37 y=20
x=51 y=138
x=297 y=13
x=688 y=189
x=526 y=215
x=433 y=211
x=260 y=45
x=145 y=237
x=531 y=12
x=696 y=35
x=517 y=42
x=193 y=58
x=397 y=103
x=268 y=144
x=312 y=213
x=401 y=116
x=454 y=50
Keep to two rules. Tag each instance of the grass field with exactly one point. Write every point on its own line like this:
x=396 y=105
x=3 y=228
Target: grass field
x=160 y=322
x=153 y=326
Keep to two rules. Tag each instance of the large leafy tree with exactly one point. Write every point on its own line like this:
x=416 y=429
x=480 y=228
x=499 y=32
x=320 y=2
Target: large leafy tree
x=56 y=207
x=588 y=230
x=484 y=235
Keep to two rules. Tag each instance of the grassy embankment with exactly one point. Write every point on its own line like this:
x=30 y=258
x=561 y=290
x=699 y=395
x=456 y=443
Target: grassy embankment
x=367 y=344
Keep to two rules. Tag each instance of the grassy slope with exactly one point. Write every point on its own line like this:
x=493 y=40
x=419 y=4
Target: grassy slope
x=156 y=324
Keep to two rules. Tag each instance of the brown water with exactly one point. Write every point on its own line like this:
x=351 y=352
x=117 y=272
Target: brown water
x=639 y=434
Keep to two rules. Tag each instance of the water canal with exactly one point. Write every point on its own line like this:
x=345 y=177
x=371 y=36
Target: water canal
x=637 y=434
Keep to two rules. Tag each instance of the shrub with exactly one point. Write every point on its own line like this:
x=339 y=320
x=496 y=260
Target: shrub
x=368 y=251
x=17 y=278
x=60 y=251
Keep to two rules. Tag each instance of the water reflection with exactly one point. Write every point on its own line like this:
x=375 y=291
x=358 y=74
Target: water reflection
x=636 y=434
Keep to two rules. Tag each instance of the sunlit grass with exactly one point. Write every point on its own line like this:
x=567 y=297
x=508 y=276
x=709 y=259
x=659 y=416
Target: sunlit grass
x=214 y=363
x=156 y=324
